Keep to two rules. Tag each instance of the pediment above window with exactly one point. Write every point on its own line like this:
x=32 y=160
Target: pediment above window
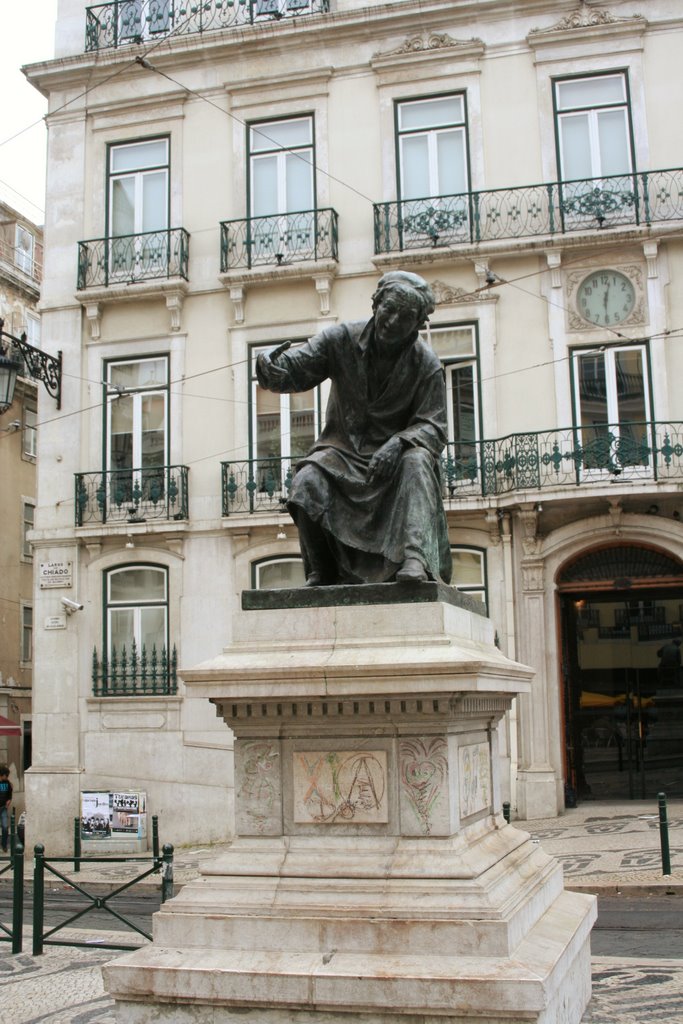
x=586 y=21
x=426 y=49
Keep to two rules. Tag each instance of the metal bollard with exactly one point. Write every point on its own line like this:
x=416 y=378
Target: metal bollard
x=38 y=898
x=77 y=844
x=18 y=899
x=664 y=834
x=506 y=811
x=12 y=833
x=155 y=836
x=167 y=873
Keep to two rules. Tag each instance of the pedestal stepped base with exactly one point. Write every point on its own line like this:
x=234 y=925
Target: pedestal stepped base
x=373 y=877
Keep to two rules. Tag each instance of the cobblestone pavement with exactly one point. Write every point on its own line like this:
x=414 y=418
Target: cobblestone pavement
x=603 y=849
x=64 y=986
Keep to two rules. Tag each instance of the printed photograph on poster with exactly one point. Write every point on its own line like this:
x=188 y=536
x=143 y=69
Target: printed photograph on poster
x=128 y=815
x=96 y=815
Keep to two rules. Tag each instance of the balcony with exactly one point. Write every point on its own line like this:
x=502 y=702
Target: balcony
x=518 y=463
x=129 y=259
x=135 y=673
x=122 y=22
x=554 y=208
x=18 y=261
x=132 y=495
x=279 y=240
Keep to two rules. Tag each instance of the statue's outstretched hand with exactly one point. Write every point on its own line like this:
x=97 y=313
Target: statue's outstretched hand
x=384 y=462
x=269 y=371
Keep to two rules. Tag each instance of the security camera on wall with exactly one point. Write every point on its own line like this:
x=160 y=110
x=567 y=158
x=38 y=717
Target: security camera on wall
x=71 y=606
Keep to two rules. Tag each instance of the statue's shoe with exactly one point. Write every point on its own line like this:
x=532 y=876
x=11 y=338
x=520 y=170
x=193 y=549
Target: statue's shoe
x=412 y=571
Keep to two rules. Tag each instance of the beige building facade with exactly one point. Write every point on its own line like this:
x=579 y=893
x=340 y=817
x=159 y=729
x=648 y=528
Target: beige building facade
x=224 y=181
x=20 y=275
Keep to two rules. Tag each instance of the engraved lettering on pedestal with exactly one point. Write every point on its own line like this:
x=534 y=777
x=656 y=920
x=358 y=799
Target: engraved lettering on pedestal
x=475 y=779
x=340 y=787
x=257 y=777
x=424 y=791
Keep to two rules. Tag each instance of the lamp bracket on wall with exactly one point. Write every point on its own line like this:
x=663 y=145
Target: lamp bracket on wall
x=17 y=357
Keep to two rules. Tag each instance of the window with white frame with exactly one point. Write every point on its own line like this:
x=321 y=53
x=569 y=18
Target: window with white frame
x=30 y=428
x=138 y=19
x=283 y=427
x=593 y=126
x=138 y=206
x=611 y=390
x=136 y=409
x=26 y=633
x=278 y=573
x=282 y=188
x=456 y=347
x=469 y=572
x=27 y=520
x=32 y=328
x=137 y=613
x=433 y=166
x=24 y=244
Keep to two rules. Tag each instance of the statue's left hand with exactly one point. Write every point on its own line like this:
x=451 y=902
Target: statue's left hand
x=384 y=462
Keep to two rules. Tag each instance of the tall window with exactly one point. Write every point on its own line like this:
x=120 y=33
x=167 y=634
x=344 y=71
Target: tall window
x=593 y=124
x=32 y=328
x=137 y=612
x=27 y=519
x=26 y=633
x=612 y=407
x=24 y=243
x=283 y=427
x=137 y=429
x=433 y=165
x=278 y=573
x=281 y=188
x=138 y=19
x=138 y=206
x=469 y=572
x=456 y=347
x=30 y=428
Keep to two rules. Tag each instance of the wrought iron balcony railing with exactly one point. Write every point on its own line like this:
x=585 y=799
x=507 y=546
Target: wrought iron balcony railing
x=127 y=259
x=256 y=485
x=519 y=462
x=645 y=197
x=133 y=672
x=132 y=495
x=122 y=22
x=279 y=240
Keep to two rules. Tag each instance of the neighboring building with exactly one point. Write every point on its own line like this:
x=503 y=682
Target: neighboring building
x=228 y=176
x=21 y=253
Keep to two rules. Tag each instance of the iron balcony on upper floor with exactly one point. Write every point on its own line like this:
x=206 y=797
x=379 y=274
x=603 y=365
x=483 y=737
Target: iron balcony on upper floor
x=559 y=207
x=128 y=259
x=512 y=465
x=122 y=22
x=279 y=239
x=130 y=496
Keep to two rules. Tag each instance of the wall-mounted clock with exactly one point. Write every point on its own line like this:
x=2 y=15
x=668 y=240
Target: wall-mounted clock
x=605 y=297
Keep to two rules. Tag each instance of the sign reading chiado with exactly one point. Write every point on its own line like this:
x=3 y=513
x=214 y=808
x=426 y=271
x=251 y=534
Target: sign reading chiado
x=55 y=574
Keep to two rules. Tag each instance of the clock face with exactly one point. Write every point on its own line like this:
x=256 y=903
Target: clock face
x=605 y=298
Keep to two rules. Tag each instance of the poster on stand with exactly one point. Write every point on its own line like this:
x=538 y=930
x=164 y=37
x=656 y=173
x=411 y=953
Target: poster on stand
x=113 y=815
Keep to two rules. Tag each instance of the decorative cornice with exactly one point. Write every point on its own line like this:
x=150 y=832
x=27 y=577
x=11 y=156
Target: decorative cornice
x=446 y=295
x=586 y=17
x=423 y=41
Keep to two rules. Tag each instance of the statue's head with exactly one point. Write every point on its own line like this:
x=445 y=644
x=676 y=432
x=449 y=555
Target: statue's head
x=409 y=290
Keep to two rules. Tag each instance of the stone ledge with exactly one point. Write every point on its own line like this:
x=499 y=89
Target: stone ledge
x=359 y=594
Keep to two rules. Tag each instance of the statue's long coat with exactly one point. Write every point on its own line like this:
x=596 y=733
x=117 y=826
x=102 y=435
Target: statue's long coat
x=374 y=524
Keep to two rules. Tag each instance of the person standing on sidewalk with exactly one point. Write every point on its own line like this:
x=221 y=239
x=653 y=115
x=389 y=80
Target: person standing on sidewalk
x=5 y=804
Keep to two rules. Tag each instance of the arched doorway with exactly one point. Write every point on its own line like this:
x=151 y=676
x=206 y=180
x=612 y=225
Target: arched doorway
x=621 y=612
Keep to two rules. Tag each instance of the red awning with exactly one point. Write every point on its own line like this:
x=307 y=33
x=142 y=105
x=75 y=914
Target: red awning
x=8 y=728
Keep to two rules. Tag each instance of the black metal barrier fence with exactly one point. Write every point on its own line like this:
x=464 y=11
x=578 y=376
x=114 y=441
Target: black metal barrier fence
x=13 y=865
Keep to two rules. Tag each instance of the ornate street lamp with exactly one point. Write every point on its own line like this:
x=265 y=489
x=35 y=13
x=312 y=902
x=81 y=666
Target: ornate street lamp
x=18 y=357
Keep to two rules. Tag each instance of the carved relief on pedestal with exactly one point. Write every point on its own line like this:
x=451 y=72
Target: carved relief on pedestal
x=423 y=774
x=258 y=787
x=474 y=778
x=337 y=787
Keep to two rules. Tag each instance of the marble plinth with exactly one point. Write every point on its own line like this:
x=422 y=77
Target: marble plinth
x=373 y=874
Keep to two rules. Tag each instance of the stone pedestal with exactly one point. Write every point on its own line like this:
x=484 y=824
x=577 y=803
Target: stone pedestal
x=373 y=876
